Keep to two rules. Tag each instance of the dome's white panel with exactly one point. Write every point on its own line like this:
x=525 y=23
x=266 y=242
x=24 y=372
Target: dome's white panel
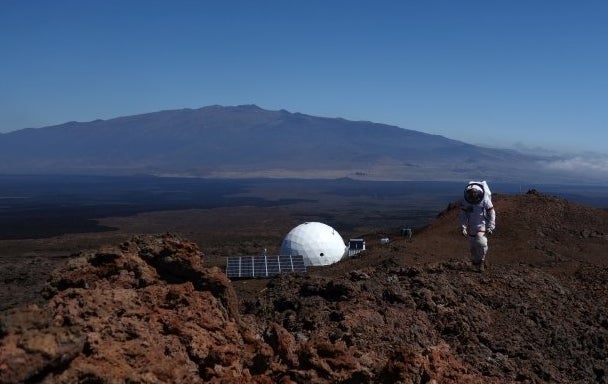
x=318 y=243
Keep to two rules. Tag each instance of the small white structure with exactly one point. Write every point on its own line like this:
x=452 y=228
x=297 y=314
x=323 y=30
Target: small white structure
x=318 y=243
x=355 y=246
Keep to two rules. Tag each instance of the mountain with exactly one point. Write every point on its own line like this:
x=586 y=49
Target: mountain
x=247 y=141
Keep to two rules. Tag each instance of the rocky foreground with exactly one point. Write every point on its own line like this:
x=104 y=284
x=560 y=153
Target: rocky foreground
x=150 y=311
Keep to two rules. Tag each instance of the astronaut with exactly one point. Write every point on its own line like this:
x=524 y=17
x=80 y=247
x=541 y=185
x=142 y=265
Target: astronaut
x=477 y=220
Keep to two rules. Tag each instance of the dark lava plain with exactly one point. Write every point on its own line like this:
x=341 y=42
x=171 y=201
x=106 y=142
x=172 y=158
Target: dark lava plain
x=44 y=220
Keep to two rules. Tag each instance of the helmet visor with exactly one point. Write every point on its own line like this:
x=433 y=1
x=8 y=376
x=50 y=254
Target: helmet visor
x=473 y=194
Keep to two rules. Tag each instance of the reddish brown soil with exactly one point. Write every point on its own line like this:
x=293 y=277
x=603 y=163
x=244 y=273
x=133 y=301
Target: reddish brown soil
x=155 y=309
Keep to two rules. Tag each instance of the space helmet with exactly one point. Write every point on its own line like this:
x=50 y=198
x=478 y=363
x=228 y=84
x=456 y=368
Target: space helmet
x=474 y=193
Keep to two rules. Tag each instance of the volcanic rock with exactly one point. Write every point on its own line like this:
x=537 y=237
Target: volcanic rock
x=150 y=311
x=145 y=311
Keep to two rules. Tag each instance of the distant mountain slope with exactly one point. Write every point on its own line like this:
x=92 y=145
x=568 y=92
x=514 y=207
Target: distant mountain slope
x=247 y=141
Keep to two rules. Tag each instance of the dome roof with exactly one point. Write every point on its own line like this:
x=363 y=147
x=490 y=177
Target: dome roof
x=318 y=243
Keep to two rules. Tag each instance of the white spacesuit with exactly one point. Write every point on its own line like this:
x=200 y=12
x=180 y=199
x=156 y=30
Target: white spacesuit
x=477 y=220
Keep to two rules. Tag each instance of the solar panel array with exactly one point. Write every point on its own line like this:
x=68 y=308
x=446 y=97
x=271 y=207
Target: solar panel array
x=263 y=266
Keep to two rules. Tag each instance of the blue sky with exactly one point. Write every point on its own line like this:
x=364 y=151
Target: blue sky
x=494 y=73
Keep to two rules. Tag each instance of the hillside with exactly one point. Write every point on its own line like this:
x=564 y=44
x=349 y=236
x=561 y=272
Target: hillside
x=248 y=141
x=150 y=310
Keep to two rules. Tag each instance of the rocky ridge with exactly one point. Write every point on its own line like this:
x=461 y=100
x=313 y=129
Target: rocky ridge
x=150 y=311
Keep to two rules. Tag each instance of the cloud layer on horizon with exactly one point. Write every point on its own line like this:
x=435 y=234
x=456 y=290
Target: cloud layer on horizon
x=590 y=164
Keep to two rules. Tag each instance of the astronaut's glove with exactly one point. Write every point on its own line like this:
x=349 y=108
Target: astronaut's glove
x=464 y=232
x=489 y=232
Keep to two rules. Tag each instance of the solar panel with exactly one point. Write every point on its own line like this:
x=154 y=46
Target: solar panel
x=263 y=266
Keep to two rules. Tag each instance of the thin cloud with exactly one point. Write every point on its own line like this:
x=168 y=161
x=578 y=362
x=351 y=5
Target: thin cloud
x=587 y=164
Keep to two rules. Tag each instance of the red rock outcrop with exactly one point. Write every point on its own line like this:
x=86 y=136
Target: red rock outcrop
x=146 y=311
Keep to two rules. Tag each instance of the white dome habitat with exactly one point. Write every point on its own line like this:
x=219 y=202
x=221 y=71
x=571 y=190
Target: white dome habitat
x=318 y=243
